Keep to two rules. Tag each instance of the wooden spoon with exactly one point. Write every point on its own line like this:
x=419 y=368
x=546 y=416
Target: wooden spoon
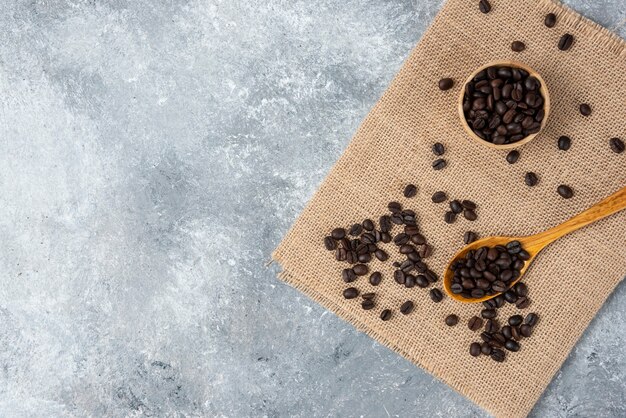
x=535 y=243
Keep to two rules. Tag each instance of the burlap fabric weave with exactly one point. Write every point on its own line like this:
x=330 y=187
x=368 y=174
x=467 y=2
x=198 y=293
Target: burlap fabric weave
x=569 y=280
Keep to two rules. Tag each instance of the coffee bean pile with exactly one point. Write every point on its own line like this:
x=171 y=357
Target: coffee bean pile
x=503 y=105
x=359 y=244
x=488 y=270
x=466 y=207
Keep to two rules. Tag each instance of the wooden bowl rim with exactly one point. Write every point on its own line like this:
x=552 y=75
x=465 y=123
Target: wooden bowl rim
x=544 y=92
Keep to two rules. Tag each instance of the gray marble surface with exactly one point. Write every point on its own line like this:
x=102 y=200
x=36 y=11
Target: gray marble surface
x=153 y=153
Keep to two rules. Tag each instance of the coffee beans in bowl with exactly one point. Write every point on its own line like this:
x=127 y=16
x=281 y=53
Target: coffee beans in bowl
x=504 y=104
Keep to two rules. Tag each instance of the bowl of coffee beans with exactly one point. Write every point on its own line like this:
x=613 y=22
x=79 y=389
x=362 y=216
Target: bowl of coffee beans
x=504 y=104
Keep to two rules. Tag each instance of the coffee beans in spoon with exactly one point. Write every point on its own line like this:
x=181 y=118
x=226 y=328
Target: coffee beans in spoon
x=503 y=105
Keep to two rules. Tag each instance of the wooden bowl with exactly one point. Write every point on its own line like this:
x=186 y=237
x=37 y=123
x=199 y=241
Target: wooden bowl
x=543 y=90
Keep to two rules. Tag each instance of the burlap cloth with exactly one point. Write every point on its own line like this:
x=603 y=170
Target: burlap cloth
x=569 y=280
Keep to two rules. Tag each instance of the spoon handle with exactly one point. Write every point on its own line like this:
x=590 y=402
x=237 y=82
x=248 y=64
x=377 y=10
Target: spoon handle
x=608 y=206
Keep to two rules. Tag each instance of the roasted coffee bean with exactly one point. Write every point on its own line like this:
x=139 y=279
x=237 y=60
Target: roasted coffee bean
x=365 y=258
x=397 y=219
x=385 y=315
x=469 y=237
x=435 y=295
x=338 y=233
x=515 y=320
x=381 y=255
x=531 y=179
x=475 y=323
x=446 y=84
x=510 y=296
x=368 y=225
x=477 y=293
x=385 y=237
x=518 y=46
x=330 y=243
x=425 y=251
x=484 y=6
x=526 y=330
x=489 y=304
x=439 y=197
x=421 y=281
x=368 y=296
x=564 y=143
x=486 y=337
x=521 y=289
x=368 y=304
x=350 y=293
x=456 y=206
x=418 y=239
x=511 y=345
x=456 y=288
x=550 y=20
x=394 y=207
x=488 y=313
x=506 y=331
x=474 y=349
x=522 y=302
x=513 y=247
x=564 y=191
x=450 y=217
x=485 y=348
x=439 y=164
x=356 y=229
x=497 y=336
x=515 y=333
x=348 y=275
x=470 y=215
x=468 y=204
x=498 y=355
x=585 y=109
x=438 y=148
x=385 y=223
x=498 y=286
x=341 y=254
x=399 y=276
x=406 y=249
x=452 y=320
x=499 y=300
x=401 y=239
x=565 y=42
x=512 y=157
x=376 y=278
x=360 y=269
x=409 y=281
x=352 y=257
x=407 y=307
x=491 y=326
x=617 y=145
x=531 y=319
x=410 y=191
x=411 y=230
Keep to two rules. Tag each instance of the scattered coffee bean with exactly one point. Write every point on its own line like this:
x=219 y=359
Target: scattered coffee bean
x=445 y=84
x=452 y=320
x=564 y=191
x=565 y=42
x=511 y=345
x=503 y=105
x=439 y=197
x=468 y=204
x=484 y=6
x=456 y=206
x=518 y=46
x=368 y=296
x=385 y=315
x=407 y=307
x=394 y=207
x=550 y=20
x=522 y=302
x=488 y=313
x=338 y=233
x=475 y=323
x=376 y=278
x=515 y=320
x=474 y=349
x=469 y=237
x=450 y=217
x=439 y=164
x=436 y=295
x=564 y=143
x=526 y=330
x=350 y=293
x=512 y=157
x=506 y=331
x=360 y=269
x=531 y=319
x=585 y=109
x=438 y=148
x=348 y=275
x=485 y=348
x=410 y=191
x=498 y=355
x=470 y=215
x=368 y=225
x=330 y=243
x=617 y=145
x=368 y=304
x=515 y=333
x=531 y=179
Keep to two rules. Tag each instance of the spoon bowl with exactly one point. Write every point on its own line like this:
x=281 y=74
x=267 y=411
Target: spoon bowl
x=533 y=244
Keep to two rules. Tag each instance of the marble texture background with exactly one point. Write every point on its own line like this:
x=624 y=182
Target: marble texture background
x=153 y=153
